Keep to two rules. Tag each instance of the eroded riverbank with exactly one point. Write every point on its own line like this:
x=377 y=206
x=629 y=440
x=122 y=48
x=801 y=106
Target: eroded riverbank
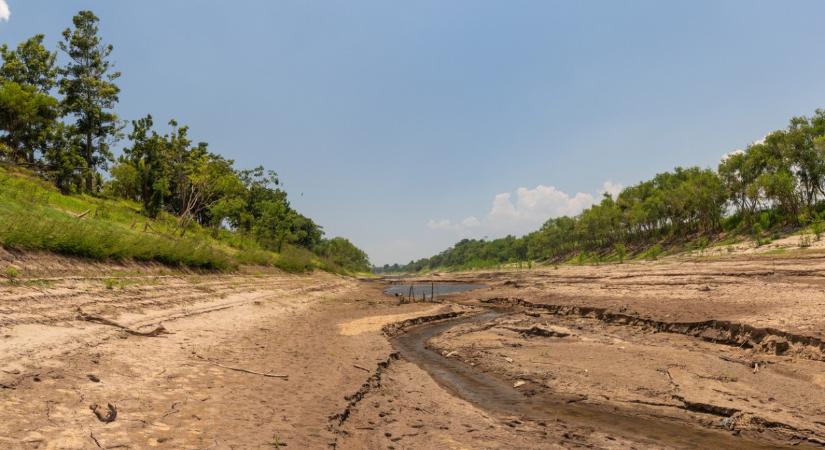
x=579 y=357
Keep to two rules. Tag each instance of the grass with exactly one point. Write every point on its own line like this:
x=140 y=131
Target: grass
x=35 y=216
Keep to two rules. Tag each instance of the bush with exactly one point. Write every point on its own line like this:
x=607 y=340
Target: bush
x=732 y=223
x=12 y=273
x=295 y=260
x=621 y=252
x=654 y=252
x=817 y=228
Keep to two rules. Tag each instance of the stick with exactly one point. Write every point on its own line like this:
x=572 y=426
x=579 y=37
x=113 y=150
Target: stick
x=83 y=214
x=359 y=367
x=104 y=321
x=238 y=369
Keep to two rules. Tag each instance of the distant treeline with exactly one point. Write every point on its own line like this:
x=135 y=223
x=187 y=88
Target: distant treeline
x=778 y=182
x=58 y=120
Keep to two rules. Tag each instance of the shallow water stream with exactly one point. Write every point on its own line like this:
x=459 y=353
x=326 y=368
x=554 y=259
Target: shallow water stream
x=428 y=289
x=498 y=396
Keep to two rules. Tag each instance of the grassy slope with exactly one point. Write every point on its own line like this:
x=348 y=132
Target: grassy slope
x=35 y=216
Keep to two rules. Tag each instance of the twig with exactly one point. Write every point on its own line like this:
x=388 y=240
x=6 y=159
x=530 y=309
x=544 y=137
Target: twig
x=92 y=435
x=238 y=369
x=83 y=214
x=359 y=367
x=159 y=330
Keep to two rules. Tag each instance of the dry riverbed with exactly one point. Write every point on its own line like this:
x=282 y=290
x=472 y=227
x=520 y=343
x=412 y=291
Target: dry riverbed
x=725 y=352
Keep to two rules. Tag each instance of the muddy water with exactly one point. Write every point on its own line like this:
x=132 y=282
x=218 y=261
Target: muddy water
x=498 y=396
x=428 y=289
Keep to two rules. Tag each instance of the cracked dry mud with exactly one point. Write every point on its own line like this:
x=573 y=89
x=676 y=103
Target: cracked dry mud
x=714 y=352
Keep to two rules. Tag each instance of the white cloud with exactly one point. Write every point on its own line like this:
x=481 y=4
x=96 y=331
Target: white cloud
x=442 y=224
x=5 y=12
x=611 y=188
x=532 y=207
x=525 y=212
x=471 y=222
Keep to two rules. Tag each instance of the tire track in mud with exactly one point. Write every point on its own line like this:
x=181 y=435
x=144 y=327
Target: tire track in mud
x=741 y=335
x=58 y=306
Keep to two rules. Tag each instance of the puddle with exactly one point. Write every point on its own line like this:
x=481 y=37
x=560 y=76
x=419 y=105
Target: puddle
x=497 y=395
x=428 y=289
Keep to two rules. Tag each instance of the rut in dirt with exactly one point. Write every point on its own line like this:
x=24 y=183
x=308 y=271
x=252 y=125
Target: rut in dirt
x=770 y=340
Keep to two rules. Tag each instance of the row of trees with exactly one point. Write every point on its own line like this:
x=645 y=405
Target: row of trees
x=777 y=182
x=60 y=121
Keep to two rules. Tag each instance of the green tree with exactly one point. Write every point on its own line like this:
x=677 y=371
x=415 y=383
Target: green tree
x=147 y=159
x=27 y=117
x=63 y=164
x=273 y=229
x=30 y=64
x=90 y=93
x=343 y=253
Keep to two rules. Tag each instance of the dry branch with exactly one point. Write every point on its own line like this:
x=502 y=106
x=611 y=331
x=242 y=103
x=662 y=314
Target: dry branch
x=239 y=369
x=159 y=330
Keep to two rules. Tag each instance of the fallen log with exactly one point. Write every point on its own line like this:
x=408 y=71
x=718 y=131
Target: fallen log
x=159 y=330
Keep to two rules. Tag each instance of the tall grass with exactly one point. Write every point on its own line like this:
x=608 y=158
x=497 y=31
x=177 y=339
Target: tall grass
x=35 y=216
x=93 y=238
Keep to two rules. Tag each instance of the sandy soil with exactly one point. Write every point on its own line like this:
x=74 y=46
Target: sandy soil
x=731 y=346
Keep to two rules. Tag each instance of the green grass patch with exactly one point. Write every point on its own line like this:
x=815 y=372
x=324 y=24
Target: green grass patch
x=35 y=216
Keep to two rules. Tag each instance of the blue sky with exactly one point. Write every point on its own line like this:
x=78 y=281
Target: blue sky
x=406 y=126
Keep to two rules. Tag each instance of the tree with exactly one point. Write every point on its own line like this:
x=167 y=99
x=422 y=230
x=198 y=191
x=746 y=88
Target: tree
x=344 y=254
x=63 y=164
x=89 y=91
x=147 y=159
x=208 y=182
x=27 y=117
x=30 y=64
x=273 y=229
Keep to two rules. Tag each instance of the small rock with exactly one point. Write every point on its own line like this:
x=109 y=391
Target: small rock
x=93 y=378
x=519 y=383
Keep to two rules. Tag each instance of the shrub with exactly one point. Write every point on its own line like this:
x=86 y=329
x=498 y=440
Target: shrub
x=621 y=252
x=295 y=260
x=654 y=252
x=817 y=228
x=12 y=273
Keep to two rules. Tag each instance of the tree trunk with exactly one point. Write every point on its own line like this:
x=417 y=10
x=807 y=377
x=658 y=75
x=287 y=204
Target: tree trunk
x=90 y=170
